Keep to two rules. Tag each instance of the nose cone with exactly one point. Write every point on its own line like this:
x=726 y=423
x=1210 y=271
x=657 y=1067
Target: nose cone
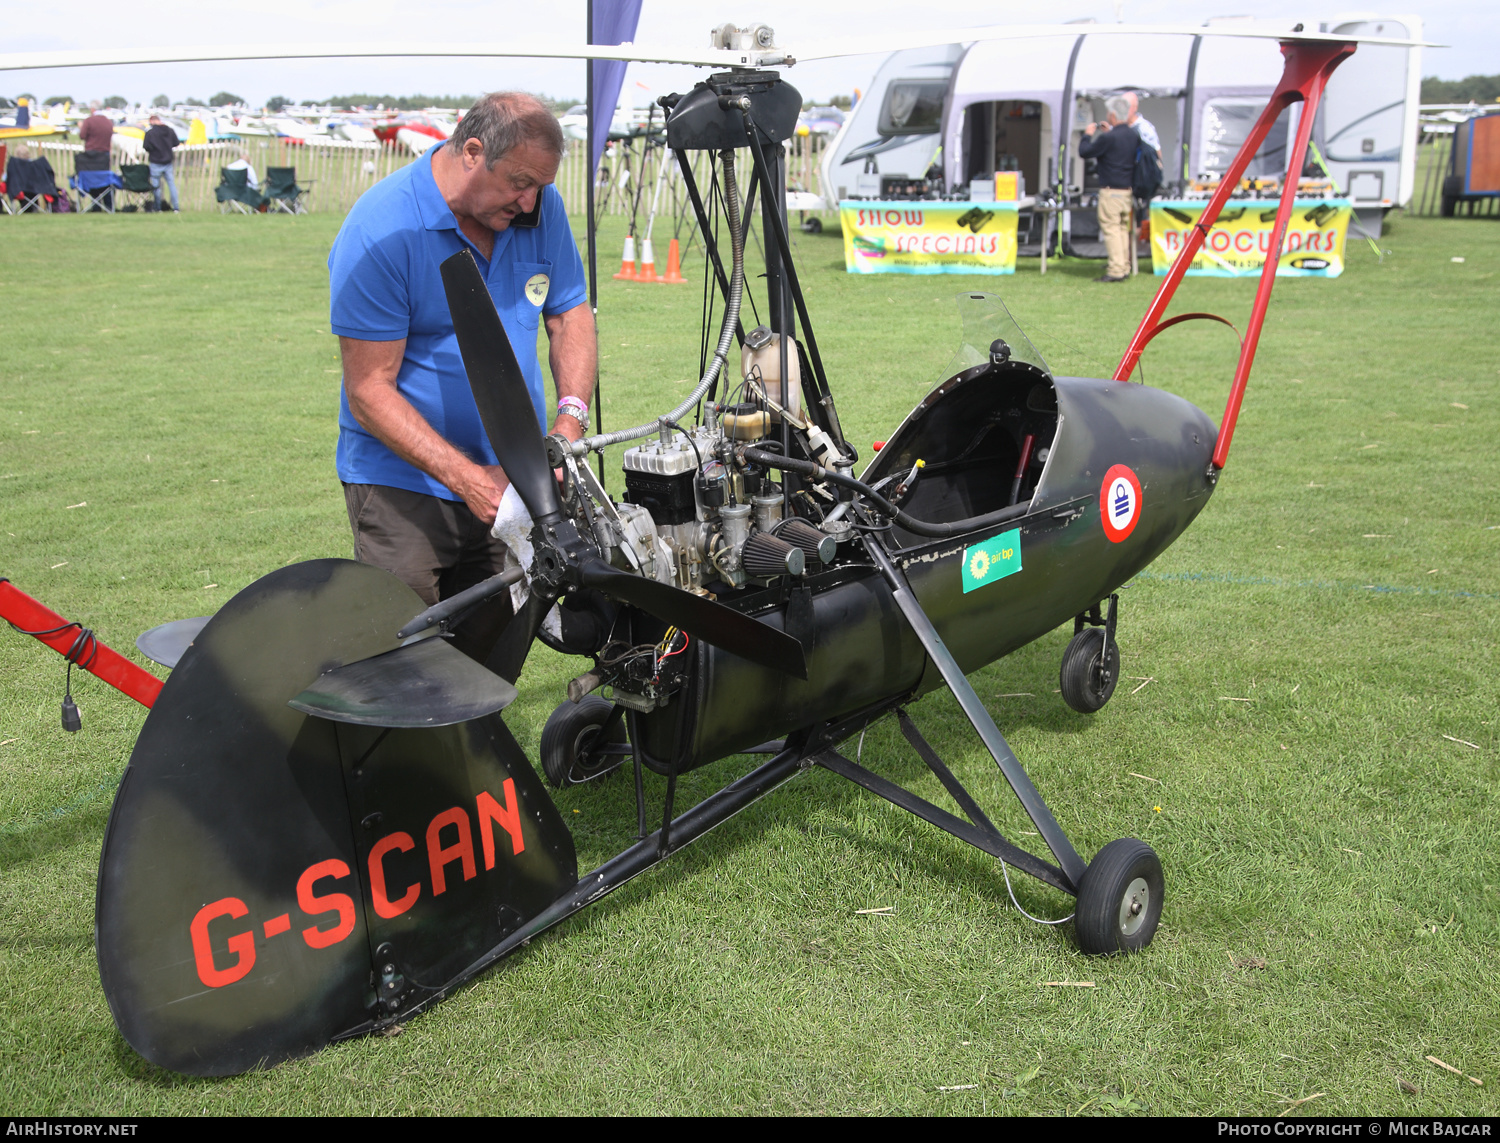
x=1135 y=460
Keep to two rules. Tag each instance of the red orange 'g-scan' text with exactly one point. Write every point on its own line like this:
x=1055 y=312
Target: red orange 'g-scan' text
x=449 y=840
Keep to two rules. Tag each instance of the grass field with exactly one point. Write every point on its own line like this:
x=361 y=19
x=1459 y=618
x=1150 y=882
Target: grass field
x=1312 y=704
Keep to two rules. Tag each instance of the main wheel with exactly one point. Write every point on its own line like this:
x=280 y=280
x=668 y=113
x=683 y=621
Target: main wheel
x=1119 y=902
x=1090 y=670
x=572 y=751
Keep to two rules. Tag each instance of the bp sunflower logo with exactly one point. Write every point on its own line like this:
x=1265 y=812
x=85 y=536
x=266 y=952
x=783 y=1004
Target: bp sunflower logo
x=995 y=558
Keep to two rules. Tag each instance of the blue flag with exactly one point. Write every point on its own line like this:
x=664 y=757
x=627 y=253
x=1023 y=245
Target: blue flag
x=613 y=22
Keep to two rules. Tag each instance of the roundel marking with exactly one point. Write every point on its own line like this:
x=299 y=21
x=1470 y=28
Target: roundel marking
x=1119 y=503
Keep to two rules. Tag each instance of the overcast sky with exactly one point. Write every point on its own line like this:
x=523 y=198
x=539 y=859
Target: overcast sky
x=1472 y=27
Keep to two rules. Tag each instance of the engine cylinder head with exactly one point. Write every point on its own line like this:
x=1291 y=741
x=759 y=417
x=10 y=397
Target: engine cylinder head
x=815 y=545
x=764 y=556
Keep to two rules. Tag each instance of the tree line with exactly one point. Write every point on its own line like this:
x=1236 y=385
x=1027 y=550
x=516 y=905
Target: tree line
x=1470 y=89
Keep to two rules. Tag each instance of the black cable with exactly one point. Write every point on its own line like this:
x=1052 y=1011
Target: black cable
x=910 y=523
x=86 y=644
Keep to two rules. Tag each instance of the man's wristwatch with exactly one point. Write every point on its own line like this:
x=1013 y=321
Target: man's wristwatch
x=573 y=407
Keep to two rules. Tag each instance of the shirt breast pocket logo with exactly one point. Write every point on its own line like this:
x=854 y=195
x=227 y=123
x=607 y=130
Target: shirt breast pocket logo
x=533 y=281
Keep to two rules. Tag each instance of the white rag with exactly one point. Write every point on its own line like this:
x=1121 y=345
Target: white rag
x=513 y=529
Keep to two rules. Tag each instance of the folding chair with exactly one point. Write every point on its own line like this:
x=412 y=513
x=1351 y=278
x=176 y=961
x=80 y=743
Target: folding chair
x=30 y=185
x=135 y=180
x=284 y=193
x=94 y=182
x=234 y=193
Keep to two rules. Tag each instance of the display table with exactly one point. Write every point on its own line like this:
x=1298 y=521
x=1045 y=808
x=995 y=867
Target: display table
x=929 y=237
x=1239 y=239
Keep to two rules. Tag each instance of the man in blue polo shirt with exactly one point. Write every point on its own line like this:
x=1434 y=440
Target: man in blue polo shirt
x=422 y=484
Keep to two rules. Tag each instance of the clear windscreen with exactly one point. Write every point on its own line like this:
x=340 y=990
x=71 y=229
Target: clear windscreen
x=985 y=320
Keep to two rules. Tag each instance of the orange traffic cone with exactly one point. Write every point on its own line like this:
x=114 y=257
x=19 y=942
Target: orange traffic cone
x=648 y=263
x=627 y=263
x=673 y=275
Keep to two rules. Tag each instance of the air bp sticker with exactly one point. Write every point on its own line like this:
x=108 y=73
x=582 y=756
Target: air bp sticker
x=1119 y=503
x=993 y=559
x=536 y=289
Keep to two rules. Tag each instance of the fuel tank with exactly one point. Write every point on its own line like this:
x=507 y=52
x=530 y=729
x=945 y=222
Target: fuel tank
x=1111 y=474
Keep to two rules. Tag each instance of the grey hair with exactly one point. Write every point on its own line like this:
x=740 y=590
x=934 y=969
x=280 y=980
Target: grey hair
x=503 y=120
x=1118 y=106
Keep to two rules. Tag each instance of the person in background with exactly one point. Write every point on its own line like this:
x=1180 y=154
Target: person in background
x=1143 y=126
x=161 y=141
x=1115 y=149
x=243 y=164
x=96 y=132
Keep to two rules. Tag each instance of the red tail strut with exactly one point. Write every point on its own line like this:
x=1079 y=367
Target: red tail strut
x=119 y=672
x=1308 y=66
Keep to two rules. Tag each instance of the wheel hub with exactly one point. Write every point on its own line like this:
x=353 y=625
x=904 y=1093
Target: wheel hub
x=1134 y=906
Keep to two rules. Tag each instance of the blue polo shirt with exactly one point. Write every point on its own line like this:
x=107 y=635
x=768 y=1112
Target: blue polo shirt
x=385 y=285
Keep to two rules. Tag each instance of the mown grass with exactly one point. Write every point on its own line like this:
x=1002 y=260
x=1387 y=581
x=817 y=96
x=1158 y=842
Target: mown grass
x=1333 y=908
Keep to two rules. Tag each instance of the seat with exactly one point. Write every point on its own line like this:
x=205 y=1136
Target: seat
x=234 y=192
x=95 y=182
x=30 y=185
x=135 y=181
x=284 y=193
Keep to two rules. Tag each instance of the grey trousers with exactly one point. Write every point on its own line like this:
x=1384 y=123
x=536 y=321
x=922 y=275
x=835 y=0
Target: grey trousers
x=437 y=548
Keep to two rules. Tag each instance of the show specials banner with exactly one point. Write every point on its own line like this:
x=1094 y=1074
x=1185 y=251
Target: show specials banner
x=1240 y=238
x=929 y=237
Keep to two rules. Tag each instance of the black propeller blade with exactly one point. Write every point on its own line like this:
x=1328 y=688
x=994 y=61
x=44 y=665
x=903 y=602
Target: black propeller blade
x=712 y=622
x=509 y=655
x=505 y=407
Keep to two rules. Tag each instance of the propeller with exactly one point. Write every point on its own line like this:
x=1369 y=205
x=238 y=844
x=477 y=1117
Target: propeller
x=499 y=388
x=509 y=419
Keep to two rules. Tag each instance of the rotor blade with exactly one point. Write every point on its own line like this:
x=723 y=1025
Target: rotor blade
x=499 y=388
x=668 y=53
x=426 y=683
x=701 y=617
x=510 y=652
x=167 y=643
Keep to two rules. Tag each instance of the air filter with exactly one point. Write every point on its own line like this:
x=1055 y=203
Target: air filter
x=815 y=545
x=764 y=556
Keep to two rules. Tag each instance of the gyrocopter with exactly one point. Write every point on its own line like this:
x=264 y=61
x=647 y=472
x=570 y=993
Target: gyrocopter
x=326 y=825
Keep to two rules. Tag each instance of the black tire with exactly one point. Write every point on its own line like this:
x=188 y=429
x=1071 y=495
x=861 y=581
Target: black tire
x=813 y=225
x=569 y=737
x=1119 y=902
x=1090 y=670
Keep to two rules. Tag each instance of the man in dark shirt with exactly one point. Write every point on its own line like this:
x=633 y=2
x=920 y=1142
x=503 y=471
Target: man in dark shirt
x=96 y=132
x=161 y=140
x=1114 y=149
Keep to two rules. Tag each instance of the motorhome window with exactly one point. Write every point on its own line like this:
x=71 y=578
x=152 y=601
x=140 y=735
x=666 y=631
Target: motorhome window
x=912 y=107
x=1227 y=123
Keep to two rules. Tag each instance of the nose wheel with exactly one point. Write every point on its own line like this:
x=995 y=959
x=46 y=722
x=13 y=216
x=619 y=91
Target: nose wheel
x=583 y=741
x=1091 y=664
x=1119 y=902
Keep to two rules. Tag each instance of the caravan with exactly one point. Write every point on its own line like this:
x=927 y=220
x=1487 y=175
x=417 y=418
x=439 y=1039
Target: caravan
x=955 y=114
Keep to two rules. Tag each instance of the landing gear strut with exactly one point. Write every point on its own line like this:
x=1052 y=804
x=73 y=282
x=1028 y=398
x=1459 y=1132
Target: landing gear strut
x=1091 y=664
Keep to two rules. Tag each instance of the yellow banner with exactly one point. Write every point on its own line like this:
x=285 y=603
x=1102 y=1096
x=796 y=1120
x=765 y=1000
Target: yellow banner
x=1240 y=238
x=929 y=237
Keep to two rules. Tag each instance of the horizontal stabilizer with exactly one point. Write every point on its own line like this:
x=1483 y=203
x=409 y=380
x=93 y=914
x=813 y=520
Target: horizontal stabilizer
x=426 y=683
x=168 y=642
